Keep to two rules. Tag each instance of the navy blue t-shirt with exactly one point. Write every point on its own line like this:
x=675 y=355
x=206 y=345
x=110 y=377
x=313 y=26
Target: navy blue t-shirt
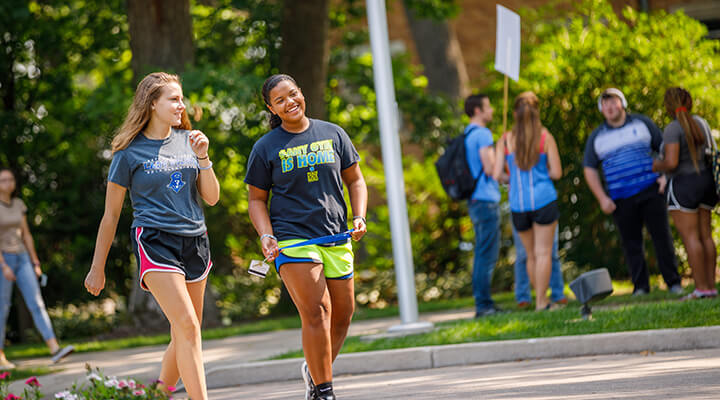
x=303 y=173
x=161 y=176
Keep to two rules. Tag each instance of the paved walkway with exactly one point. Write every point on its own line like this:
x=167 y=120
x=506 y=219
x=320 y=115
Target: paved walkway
x=235 y=361
x=668 y=375
x=144 y=362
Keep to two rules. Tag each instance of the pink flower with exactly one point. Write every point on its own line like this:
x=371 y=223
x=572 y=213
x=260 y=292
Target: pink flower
x=171 y=388
x=12 y=397
x=139 y=392
x=33 y=381
x=4 y=375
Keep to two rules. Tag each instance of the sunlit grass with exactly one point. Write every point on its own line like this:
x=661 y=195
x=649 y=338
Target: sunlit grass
x=18 y=374
x=633 y=316
x=506 y=300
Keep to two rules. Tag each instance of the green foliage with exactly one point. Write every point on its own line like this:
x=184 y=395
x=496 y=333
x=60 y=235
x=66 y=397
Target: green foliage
x=437 y=225
x=66 y=83
x=84 y=320
x=569 y=58
x=56 y=125
x=435 y=9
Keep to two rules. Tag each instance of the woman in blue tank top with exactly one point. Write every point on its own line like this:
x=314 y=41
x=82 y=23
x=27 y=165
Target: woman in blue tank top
x=532 y=161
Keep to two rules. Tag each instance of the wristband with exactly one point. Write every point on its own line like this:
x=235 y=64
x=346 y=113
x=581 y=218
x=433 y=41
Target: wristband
x=204 y=168
x=268 y=235
x=203 y=158
x=362 y=218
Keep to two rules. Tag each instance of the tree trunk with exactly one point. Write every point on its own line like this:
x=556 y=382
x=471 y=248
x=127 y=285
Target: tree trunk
x=160 y=35
x=440 y=54
x=305 y=50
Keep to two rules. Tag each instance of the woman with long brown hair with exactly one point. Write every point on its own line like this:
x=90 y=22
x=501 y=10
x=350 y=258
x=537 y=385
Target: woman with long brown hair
x=691 y=189
x=166 y=168
x=532 y=158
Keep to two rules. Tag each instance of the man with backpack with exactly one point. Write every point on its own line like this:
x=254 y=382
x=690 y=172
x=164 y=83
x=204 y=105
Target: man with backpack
x=483 y=203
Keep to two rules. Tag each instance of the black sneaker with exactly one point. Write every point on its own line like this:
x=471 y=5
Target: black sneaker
x=324 y=391
x=309 y=385
x=489 y=311
x=325 y=396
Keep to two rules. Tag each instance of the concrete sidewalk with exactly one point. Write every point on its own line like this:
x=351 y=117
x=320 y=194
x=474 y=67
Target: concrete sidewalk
x=144 y=362
x=234 y=361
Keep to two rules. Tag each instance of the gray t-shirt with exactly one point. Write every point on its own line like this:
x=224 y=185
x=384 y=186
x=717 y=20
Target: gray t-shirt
x=674 y=133
x=161 y=176
x=303 y=171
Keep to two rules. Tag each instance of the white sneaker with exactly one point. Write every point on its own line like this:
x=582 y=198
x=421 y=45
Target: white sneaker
x=5 y=364
x=309 y=385
x=62 y=353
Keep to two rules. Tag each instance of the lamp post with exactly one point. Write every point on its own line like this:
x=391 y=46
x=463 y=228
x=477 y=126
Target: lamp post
x=392 y=161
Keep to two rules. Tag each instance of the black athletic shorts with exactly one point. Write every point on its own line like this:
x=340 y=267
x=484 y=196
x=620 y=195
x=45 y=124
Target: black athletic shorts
x=688 y=192
x=161 y=251
x=543 y=216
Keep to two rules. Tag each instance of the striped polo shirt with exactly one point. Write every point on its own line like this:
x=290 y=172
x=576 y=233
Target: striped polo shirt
x=625 y=154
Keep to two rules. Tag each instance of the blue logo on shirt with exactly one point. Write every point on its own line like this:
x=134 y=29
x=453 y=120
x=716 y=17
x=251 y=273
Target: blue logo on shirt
x=176 y=182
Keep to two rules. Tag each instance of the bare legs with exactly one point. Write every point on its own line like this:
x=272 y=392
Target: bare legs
x=326 y=308
x=540 y=239
x=342 y=297
x=696 y=233
x=182 y=304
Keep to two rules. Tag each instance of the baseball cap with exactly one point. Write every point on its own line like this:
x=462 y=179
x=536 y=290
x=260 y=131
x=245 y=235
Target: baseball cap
x=612 y=92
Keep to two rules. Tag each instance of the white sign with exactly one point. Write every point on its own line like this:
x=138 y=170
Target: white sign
x=507 y=43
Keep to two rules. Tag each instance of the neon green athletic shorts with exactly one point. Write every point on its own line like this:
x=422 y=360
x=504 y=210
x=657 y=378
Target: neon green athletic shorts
x=337 y=261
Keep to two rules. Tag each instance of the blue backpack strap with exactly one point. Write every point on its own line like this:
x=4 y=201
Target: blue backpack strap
x=322 y=240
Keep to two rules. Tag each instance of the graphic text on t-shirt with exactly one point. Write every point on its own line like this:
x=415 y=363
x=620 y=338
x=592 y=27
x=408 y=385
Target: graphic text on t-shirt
x=308 y=156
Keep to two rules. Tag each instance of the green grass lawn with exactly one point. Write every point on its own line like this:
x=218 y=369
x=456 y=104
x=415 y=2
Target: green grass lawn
x=24 y=373
x=621 y=296
x=633 y=316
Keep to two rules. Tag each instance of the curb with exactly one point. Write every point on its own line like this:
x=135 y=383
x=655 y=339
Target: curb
x=474 y=353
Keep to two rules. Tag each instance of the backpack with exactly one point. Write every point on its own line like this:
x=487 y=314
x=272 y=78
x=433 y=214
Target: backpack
x=712 y=156
x=454 y=170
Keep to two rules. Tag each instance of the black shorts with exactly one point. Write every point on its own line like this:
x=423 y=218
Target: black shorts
x=159 y=251
x=688 y=192
x=523 y=221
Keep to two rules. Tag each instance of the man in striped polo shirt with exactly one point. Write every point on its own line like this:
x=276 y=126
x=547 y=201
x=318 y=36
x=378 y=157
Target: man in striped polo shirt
x=623 y=145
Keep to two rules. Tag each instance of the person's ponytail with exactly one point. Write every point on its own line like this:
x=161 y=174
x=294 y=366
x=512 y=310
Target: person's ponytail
x=275 y=121
x=678 y=104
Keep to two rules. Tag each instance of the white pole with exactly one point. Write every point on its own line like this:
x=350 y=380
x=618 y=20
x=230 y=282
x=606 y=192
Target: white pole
x=392 y=160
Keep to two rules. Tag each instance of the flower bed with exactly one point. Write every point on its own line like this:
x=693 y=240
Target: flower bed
x=97 y=387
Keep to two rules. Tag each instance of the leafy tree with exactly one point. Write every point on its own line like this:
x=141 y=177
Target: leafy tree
x=569 y=58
